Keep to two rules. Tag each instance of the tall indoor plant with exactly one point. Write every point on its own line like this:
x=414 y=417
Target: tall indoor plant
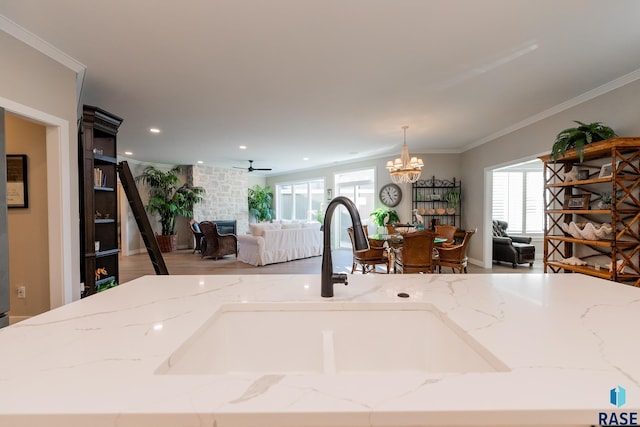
x=168 y=200
x=260 y=203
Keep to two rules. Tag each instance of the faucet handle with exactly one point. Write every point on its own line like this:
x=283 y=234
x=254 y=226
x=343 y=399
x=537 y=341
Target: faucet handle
x=339 y=278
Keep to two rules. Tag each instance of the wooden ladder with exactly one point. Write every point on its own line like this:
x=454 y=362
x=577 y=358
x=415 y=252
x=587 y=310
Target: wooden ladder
x=129 y=185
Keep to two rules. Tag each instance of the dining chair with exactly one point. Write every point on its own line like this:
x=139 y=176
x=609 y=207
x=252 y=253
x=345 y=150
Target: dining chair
x=367 y=260
x=448 y=232
x=455 y=256
x=415 y=255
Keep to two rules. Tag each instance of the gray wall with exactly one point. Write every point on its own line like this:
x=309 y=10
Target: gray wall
x=444 y=166
x=34 y=80
x=619 y=109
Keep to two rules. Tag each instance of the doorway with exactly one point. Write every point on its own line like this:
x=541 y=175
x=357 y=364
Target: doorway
x=533 y=167
x=63 y=287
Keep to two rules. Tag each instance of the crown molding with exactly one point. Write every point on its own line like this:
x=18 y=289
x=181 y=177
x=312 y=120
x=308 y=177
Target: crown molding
x=40 y=45
x=594 y=93
x=45 y=48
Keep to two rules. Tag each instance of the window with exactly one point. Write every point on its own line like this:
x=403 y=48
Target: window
x=518 y=197
x=300 y=200
x=359 y=186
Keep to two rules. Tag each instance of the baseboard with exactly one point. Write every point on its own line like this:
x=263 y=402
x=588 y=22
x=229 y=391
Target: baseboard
x=475 y=262
x=136 y=251
x=144 y=250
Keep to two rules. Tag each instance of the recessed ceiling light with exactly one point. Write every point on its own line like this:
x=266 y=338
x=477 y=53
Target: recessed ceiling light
x=128 y=153
x=305 y=158
x=200 y=162
x=243 y=147
x=154 y=130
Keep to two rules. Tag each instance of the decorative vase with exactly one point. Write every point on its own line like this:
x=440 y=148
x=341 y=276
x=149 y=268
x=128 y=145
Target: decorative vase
x=167 y=243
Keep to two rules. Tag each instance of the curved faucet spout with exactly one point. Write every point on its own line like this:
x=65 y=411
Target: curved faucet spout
x=361 y=243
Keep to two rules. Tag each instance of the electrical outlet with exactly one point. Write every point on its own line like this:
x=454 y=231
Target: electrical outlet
x=22 y=292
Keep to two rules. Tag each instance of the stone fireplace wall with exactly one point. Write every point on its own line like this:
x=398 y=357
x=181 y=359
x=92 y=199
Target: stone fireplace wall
x=226 y=196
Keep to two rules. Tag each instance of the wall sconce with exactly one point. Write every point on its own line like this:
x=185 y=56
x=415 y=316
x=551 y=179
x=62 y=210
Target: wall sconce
x=329 y=194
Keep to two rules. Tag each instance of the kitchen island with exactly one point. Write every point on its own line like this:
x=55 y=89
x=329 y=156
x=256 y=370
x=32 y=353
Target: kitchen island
x=550 y=349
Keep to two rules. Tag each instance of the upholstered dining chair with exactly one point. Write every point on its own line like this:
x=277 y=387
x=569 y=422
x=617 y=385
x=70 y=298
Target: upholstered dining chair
x=215 y=245
x=455 y=256
x=448 y=232
x=367 y=260
x=415 y=255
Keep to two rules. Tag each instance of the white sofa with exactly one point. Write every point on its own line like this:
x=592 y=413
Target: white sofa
x=269 y=243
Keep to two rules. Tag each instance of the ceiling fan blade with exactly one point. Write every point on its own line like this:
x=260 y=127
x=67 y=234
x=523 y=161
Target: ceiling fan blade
x=251 y=168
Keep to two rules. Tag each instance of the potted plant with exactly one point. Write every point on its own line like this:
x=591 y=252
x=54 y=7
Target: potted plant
x=605 y=200
x=169 y=200
x=453 y=198
x=106 y=285
x=578 y=137
x=379 y=215
x=260 y=202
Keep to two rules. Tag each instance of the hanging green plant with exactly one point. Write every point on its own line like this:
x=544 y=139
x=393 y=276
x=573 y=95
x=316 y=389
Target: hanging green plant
x=578 y=137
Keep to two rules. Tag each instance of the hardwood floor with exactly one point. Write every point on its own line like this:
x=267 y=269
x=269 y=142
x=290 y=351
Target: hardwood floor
x=185 y=262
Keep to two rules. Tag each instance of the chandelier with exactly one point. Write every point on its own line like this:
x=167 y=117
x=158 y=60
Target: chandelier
x=405 y=168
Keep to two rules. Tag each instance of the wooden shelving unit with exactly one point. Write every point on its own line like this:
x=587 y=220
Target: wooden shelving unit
x=623 y=245
x=99 y=240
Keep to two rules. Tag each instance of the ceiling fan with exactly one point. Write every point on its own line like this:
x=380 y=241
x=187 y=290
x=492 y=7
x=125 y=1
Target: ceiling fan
x=251 y=168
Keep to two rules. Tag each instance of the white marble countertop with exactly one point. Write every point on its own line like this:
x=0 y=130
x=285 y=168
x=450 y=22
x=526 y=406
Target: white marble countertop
x=565 y=339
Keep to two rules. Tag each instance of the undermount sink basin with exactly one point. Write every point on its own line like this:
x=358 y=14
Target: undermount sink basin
x=309 y=338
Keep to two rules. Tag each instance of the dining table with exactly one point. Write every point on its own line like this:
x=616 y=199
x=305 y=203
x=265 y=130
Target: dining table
x=397 y=238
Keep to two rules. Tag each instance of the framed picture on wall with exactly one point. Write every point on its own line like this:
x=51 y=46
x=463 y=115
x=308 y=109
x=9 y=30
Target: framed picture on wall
x=17 y=188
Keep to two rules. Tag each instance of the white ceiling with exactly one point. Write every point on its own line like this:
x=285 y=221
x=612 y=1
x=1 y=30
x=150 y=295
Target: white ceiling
x=331 y=80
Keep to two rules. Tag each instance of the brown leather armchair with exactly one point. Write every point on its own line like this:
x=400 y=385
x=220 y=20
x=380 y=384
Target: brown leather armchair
x=216 y=245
